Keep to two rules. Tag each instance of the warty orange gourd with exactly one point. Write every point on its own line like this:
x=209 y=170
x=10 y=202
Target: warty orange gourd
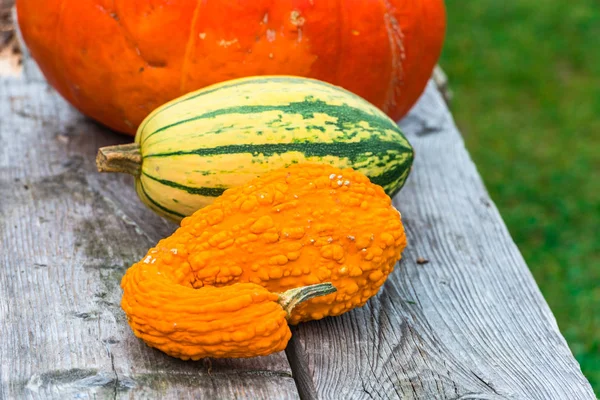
x=222 y=270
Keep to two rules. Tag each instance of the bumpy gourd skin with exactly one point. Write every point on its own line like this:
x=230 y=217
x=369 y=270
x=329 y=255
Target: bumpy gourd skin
x=242 y=320
x=291 y=227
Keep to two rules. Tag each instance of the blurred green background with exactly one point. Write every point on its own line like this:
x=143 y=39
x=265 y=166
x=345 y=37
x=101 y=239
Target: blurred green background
x=525 y=75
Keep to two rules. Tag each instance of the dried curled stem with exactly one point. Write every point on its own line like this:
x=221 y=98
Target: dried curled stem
x=291 y=298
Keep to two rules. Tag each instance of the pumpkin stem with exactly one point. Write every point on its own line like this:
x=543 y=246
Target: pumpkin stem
x=291 y=298
x=125 y=158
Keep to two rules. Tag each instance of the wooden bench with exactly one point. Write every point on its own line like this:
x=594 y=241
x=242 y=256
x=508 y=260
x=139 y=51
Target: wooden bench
x=460 y=317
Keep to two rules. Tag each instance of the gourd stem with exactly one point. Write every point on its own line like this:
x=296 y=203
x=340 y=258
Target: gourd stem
x=291 y=298
x=125 y=158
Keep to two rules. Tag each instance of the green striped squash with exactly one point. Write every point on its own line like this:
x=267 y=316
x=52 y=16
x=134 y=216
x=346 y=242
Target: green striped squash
x=190 y=150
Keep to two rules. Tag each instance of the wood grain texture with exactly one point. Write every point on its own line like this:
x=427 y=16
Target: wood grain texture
x=67 y=234
x=469 y=324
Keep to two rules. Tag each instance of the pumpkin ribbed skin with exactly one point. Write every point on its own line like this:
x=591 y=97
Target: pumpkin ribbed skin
x=195 y=147
x=117 y=60
x=290 y=228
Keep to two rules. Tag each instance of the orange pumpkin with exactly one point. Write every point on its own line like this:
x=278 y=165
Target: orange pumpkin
x=117 y=60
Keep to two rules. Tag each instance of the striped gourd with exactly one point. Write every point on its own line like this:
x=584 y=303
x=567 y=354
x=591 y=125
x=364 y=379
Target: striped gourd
x=188 y=151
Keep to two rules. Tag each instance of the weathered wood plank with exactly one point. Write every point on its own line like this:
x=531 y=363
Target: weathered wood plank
x=67 y=234
x=470 y=324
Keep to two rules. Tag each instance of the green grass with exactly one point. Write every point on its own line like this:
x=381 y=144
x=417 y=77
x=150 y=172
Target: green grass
x=526 y=81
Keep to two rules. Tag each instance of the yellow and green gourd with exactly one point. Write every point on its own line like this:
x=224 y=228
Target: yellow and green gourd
x=190 y=150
